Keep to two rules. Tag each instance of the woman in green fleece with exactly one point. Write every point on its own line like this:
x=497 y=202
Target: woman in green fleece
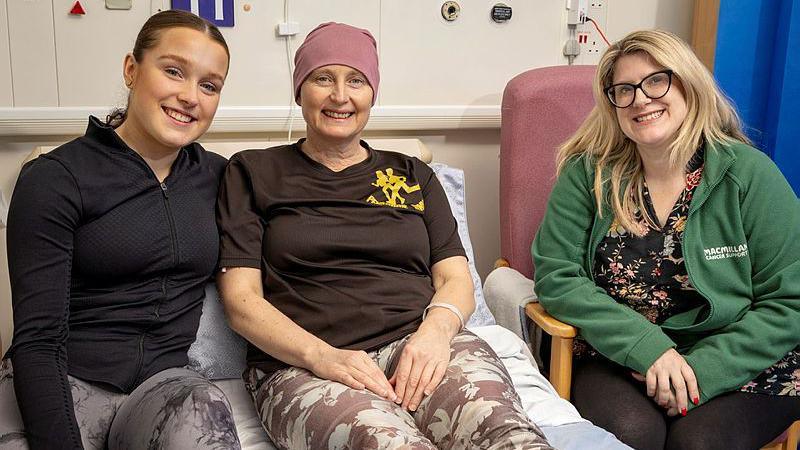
x=674 y=247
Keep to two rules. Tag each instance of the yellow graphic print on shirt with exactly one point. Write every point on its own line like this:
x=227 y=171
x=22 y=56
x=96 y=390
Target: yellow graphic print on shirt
x=391 y=185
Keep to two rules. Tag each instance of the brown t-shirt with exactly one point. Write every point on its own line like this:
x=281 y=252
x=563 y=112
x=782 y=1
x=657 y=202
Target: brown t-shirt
x=346 y=255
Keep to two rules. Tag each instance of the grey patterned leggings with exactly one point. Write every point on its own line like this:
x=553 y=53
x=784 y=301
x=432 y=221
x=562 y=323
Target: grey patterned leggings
x=174 y=409
x=475 y=406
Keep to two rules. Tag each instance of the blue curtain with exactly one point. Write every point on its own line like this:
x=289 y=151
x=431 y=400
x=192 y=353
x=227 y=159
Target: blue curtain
x=757 y=63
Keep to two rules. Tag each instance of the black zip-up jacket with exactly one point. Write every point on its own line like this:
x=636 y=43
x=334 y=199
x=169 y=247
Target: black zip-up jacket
x=107 y=269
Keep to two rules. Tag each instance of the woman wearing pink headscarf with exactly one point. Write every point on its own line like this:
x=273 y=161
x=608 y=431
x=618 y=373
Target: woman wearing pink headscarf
x=342 y=266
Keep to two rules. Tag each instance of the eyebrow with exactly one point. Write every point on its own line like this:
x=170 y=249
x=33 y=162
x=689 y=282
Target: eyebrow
x=320 y=70
x=184 y=61
x=640 y=80
x=325 y=70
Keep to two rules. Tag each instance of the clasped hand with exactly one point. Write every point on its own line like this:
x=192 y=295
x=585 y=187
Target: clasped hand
x=420 y=368
x=671 y=383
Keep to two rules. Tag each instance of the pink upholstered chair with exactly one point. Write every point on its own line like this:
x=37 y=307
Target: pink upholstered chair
x=541 y=109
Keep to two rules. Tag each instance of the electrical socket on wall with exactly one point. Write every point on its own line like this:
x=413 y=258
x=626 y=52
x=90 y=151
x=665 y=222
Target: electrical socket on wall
x=591 y=43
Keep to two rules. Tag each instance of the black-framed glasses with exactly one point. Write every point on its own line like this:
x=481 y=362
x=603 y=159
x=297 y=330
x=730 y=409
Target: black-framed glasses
x=655 y=85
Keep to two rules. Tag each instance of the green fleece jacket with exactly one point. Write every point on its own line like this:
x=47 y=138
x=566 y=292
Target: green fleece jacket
x=741 y=246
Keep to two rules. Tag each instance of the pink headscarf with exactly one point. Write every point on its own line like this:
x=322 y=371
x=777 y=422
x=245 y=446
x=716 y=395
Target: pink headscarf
x=337 y=43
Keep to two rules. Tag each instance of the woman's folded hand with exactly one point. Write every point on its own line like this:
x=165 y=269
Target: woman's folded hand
x=422 y=365
x=671 y=383
x=352 y=368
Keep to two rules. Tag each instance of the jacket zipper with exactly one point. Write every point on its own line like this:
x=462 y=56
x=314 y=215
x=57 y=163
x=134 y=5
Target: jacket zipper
x=163 y=186
x=686 y=256
x=171 y=220
x=173 y=240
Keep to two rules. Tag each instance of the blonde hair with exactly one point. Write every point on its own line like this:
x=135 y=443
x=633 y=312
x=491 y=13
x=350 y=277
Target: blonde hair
x=710 y=118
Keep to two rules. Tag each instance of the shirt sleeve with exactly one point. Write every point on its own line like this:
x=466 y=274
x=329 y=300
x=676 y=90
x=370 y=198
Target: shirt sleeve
x=44 y=212
x=439 y=220
x=568 y=292
x=240 y=226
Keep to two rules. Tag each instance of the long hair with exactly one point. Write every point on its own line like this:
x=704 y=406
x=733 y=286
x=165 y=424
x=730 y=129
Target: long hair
x=710 y=118
x=150 y=34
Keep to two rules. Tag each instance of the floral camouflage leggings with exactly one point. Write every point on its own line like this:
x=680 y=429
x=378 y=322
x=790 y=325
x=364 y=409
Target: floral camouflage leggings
x=174 y=409
x=475 y=406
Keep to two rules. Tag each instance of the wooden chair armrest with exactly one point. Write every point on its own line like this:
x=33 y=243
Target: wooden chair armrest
x=560 y=348
x=548 y=323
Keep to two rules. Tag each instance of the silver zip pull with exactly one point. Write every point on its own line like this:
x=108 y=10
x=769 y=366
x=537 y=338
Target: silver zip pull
x=164 y=188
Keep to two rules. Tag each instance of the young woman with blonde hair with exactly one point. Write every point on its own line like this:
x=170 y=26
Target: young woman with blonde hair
x=672 y=244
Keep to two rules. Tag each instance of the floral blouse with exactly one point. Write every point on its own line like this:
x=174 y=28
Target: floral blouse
x=648 y=274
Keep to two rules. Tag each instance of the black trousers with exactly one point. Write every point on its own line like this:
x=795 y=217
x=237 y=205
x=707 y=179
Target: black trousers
x=610 y=397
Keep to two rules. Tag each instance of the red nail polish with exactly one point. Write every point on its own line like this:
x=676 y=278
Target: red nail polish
x=683 y=412
x=696 y=401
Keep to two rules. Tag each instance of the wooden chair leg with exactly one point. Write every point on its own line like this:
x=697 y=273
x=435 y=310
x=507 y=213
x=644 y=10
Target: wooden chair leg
x=775 y=446
x=794 y=436
x=561 y=365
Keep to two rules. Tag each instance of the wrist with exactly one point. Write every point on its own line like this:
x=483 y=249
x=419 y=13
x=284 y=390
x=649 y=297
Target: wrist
x=312 y=354
x=442 y=320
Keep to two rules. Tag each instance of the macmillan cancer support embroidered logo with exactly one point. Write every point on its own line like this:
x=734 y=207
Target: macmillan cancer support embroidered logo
x=725 y=251
x=391 y=185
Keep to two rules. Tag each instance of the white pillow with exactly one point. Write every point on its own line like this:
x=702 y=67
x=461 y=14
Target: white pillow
x=218 y=352
x=452 y=180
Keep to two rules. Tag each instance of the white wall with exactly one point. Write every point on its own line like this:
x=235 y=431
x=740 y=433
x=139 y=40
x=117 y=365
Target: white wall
x=5 y=59
x=424 y=61
x=32 y=52
x=61 y=60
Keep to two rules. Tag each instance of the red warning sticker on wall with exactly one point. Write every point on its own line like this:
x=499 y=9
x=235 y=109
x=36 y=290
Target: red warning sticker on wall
x=77 y=9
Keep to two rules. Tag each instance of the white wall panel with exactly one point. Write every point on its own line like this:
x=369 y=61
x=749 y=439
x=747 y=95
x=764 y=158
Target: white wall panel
x=32 y=48
x=426 y=60
x=90 y=50
x=6 y=92
x=625 y=16
x=258 y=74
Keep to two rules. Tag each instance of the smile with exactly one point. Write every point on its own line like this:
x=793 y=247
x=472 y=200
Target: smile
x=177 y=115
x=648 y=117
x=337 y=115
